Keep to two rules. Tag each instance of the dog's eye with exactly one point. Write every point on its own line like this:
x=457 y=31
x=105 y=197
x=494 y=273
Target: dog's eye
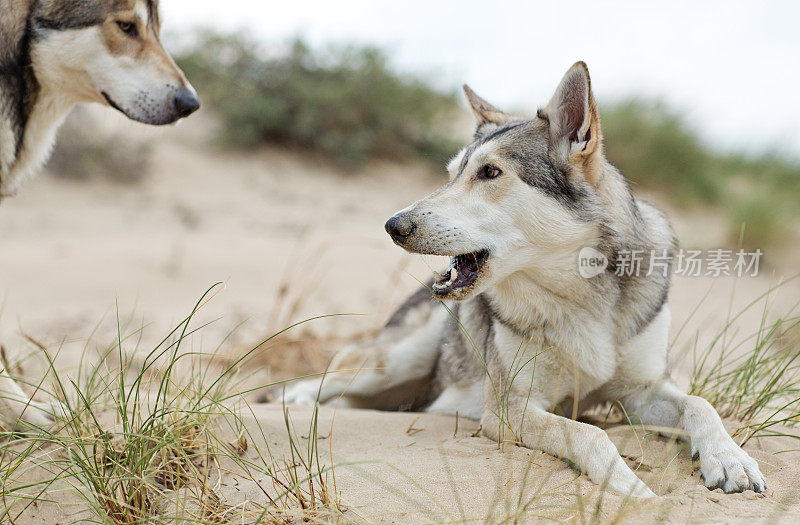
x=129 y=28
x=489 y=172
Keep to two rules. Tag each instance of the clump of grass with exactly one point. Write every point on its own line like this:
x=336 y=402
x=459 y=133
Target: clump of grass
x=346 y=103
x=144 y=441
x=81 y=153
x=754 y=378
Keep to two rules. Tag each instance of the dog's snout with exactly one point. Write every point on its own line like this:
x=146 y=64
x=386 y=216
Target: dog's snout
x=399 y=227
x=186 y=102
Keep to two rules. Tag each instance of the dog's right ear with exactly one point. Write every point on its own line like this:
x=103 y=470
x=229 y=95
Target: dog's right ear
x=484 y=112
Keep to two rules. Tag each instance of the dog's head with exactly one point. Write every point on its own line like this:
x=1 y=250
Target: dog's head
x=109 y=51
x=523 y=195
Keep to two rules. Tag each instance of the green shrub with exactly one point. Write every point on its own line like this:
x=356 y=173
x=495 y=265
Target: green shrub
x=761 y=197
x=657 y=149
x=346 y=103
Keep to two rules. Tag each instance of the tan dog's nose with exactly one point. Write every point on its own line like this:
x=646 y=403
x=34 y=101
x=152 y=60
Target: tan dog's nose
x=399 y=227
x=186 y=102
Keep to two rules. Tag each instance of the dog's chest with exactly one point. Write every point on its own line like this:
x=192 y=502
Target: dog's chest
x=556 y=364
x=37 y=142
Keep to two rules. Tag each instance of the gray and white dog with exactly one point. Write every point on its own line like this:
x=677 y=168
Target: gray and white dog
x=55 y=54
x=512 y=334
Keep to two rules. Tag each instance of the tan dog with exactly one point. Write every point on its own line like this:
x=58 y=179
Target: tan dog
x=55 y=54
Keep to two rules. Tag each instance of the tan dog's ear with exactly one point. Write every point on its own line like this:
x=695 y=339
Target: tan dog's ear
x=484 y=112
x=574 y=121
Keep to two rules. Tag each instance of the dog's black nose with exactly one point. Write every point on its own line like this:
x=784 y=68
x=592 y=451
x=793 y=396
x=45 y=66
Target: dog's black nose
x=400 y=227
x=186 y=102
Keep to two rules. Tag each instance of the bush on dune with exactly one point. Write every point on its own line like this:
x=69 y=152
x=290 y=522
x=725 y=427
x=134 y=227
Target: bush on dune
x=656 y=148
x=350 y=105
x=347 y=104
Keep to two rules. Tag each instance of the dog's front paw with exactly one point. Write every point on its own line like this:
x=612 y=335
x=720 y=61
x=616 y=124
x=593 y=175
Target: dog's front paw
x=622 y=480
x=726 y=466
x=640 y=491
x=38 y=415
x=302 y=393
x=35 y=416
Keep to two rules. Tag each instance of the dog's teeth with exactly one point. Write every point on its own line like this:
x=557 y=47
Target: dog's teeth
x=453 y=274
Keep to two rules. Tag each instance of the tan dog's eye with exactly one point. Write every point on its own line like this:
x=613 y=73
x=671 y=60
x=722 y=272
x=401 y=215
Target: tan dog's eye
x=129 y=28
x=489 y=172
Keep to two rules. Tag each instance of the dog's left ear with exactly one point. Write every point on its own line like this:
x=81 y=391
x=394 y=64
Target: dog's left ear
x=574 y=121
x=485 y=113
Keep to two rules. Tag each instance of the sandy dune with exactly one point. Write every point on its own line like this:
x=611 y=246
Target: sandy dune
x=291 y=237
x=459 y=477
x=420 y=468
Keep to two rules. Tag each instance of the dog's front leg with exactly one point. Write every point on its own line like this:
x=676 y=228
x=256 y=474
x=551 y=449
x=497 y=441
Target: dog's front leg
x=723 y=464
x=586 y=446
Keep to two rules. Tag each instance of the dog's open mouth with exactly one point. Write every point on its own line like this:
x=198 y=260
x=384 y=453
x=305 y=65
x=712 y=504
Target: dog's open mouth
x=112 y=103
x=463 y=273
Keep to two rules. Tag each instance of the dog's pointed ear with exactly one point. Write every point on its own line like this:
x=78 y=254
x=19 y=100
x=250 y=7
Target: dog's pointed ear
x=484 y=112
x=574 y=121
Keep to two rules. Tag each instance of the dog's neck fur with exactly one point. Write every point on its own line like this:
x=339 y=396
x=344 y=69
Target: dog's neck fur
x=529 y=299
x=31 y=149
x=30 y=114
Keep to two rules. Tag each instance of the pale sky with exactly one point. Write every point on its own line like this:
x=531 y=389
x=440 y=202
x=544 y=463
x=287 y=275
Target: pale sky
x=732 y=67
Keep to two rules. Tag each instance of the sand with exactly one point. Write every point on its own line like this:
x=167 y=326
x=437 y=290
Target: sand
x=460 y=477
x=291 y=237
x=420 y=468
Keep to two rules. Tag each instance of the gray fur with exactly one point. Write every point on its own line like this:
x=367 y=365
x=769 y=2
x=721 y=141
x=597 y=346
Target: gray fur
x=62 y=15
x=18 y=86
x=420 y=298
